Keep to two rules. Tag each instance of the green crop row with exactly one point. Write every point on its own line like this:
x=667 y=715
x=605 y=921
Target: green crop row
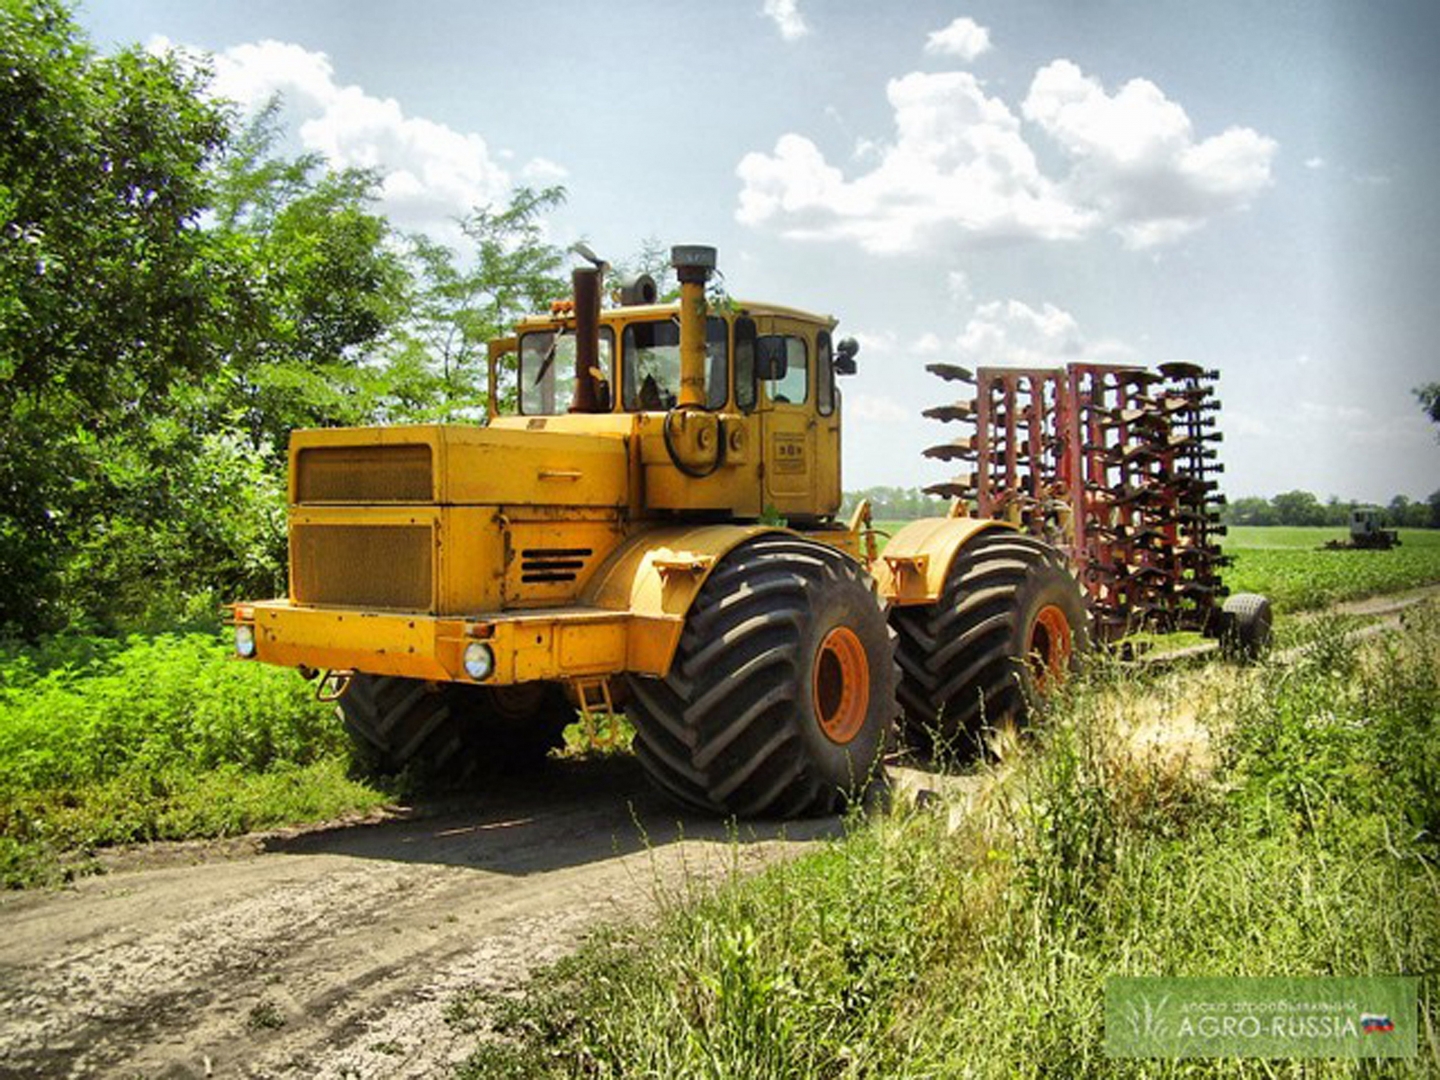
x=1292 y=567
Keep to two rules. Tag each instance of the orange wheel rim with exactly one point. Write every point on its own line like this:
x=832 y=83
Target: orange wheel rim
x=1050 y=647
x=842 y=685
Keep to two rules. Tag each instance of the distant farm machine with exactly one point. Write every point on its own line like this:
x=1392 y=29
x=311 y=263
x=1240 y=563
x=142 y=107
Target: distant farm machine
x=1367 y=533
x=651 y=524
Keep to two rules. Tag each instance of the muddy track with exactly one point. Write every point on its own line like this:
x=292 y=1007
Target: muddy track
x=334 y=952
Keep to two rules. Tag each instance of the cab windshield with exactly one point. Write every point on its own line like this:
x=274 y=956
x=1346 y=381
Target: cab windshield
x=547 y=371
x=652 y=364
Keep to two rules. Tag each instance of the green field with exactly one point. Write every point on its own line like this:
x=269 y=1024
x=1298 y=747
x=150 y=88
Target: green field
x=106 y=742
x=1286 y=565
x=1289 y=566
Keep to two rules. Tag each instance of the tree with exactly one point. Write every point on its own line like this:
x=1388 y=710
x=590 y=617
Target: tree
x=1298 y=508
x=106 y=288
x=1429 y=397
x=463 y=299
x=318 y=288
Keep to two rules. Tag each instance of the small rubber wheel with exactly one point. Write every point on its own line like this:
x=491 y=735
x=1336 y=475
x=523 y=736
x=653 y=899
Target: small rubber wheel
x=1009 y=627
x=782 y=690
x=1246 y=625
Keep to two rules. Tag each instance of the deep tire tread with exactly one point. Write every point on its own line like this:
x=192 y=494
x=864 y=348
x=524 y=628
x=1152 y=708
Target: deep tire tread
x=720 y=732
x=960 y=658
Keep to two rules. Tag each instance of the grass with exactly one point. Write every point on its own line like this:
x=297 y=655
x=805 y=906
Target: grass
x=105 y=742
x=1269 y=821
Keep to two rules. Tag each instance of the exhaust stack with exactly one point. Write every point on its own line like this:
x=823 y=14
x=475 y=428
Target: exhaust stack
x=585 y=280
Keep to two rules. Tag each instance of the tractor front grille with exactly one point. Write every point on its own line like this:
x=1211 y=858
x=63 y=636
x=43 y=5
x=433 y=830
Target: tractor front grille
x=365 y=474
x=364 y=566
x=551 y=565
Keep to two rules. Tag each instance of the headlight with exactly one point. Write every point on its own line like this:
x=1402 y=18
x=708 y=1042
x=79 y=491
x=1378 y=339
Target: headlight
x=245 y=640
x=479 y=661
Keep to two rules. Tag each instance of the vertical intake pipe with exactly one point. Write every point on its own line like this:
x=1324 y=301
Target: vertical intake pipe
x=693 y=265
x=585 y=280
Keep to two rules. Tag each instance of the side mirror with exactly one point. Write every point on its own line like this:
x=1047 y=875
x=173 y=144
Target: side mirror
x=845 y=353
x=771 y=358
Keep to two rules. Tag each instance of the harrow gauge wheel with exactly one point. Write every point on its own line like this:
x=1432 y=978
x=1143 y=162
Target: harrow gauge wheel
x=1009 y=626
x=782 y=689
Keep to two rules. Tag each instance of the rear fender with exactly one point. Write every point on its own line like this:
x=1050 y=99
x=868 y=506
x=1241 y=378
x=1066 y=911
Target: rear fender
x=917 y=560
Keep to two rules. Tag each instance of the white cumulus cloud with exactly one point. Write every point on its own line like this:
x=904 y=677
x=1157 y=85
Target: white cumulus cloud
x=963 y=38
x=786 y=16
x=1134 y=157
x=959 y=170
x=1011 y=333
x=430 y=172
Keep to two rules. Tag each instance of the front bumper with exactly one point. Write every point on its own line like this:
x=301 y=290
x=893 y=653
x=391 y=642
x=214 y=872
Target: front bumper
x=556 y=643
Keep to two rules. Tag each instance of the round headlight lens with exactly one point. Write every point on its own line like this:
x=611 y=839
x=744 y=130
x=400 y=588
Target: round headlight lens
x=479 y=661
x=245 y=640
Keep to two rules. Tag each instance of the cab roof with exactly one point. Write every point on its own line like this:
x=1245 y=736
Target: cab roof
x=628 y=312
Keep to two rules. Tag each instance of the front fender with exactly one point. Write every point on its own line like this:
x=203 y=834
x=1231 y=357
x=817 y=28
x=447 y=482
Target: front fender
x=654 y=576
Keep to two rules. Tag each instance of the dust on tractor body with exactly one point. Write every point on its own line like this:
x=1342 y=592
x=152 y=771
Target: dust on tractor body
x=1114 y=466
x=608 y=542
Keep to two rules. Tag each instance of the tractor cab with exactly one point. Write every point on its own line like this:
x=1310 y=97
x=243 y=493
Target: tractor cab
x=748 y=424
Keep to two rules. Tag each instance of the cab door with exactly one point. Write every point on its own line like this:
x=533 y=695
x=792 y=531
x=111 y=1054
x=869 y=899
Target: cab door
x=787 y=411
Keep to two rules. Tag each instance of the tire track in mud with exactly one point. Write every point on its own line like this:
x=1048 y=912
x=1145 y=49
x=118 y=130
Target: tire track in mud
x=334 y=952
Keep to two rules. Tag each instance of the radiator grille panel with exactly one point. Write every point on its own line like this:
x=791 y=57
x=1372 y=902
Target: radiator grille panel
x=364 y=566
x=365 y=474
x=549 y=565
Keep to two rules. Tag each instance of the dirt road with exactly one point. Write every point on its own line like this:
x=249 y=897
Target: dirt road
x=334 y=952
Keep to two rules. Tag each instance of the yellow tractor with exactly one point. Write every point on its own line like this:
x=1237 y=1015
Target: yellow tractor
x=653 y=526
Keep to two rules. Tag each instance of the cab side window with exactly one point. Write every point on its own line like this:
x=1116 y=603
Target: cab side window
x=745 y=364
x=824 y=375
x=793 y=387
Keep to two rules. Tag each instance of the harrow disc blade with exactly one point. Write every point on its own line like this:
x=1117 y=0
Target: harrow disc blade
x=950 y=491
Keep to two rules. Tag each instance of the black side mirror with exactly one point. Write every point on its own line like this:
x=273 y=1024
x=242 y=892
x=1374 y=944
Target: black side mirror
x=845 y=353
x=771 y=358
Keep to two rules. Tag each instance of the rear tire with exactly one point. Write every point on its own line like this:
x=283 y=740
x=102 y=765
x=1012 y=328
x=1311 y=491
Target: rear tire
x=782 y=689
x=1009 y=626
x=447 y=732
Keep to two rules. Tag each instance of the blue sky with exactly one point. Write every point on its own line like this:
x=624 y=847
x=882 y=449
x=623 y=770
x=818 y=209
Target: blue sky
x=1243 y=185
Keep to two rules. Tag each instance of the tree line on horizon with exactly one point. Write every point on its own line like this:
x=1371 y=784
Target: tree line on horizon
x=1287 y=508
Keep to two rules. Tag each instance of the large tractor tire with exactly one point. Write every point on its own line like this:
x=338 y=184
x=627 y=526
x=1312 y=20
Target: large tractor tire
x=449 y=732
x=782 y=690
x=1009 y=626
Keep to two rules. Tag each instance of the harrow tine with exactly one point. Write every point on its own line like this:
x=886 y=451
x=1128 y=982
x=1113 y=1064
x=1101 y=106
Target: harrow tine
x=951 y=490
x=954 y=451
x=952 y=372
x=961 y=410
